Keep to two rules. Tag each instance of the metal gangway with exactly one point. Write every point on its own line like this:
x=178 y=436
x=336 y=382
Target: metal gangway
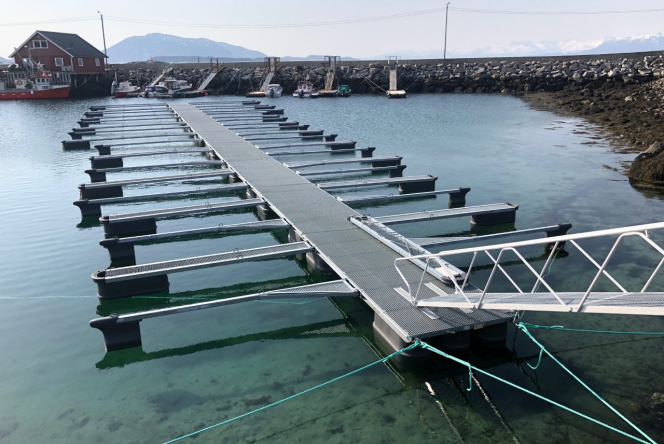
x=162 y=72
x=271 y=65
x=332 y=62
x=393 y=92
x=476 y=293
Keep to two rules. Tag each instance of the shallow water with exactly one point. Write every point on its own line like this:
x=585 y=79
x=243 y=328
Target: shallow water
x=197 y=369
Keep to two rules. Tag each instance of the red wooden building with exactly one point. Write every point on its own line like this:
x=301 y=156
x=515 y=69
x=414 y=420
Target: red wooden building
x=59 y=52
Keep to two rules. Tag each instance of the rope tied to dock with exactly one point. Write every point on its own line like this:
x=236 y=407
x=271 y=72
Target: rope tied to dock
x=524 y=328
x=580 y=330
x=647 y=440
x=385 y=359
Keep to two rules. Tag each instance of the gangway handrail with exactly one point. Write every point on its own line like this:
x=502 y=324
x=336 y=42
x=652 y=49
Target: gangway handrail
x=556 y=243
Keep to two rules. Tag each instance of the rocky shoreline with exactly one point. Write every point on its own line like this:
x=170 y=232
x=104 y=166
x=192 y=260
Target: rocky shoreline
x=506 y=76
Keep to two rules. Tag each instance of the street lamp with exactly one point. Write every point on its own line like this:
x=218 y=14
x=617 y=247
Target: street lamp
x=447 y=7
x=103 y=33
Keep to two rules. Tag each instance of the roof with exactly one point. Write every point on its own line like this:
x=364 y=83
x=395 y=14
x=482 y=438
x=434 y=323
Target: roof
x=72 y=44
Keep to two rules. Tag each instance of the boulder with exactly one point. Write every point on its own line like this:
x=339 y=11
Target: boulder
x=649 y=165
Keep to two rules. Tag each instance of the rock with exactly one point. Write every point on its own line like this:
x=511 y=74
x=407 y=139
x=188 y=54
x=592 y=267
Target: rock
x=657 y=399
x=649 y=167
x=655 y=148
x=629 y=99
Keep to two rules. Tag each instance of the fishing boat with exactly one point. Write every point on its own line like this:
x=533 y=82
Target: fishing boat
x=124 y=89
x=37 y=86
x=273 y=90
x=305 y=89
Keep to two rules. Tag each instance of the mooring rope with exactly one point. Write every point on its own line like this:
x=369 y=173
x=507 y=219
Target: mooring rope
x=189 y=435
x=580 y=330
x=523 y=327
x=543 y=398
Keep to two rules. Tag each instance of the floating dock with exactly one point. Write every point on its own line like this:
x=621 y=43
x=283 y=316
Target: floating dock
x=333 y=237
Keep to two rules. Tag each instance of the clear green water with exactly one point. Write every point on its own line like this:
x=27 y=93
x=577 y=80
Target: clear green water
x=196 y=369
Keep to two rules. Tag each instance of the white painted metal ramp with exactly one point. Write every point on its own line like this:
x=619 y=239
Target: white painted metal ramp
x=543 y=296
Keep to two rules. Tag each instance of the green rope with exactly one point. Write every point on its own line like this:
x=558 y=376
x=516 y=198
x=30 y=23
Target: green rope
x=189 y=435
x=539 y=360
x=462 y=362
x=611 y=332
x=620 y=415
x=470 y=379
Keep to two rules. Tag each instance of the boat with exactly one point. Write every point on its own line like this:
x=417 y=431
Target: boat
x=305 y=89
x=343 y=91
x=273 y=90
x=170 y=88
x=125 y=89
x=37 y=86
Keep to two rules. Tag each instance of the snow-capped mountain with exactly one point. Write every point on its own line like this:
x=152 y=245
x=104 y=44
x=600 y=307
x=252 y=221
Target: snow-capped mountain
x=161 y=46
x=609 y=45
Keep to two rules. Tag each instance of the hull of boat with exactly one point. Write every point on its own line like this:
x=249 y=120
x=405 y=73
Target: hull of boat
x=120 y=94
x=24 y=94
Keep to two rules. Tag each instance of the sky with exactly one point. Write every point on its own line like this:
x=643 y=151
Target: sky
x=423 y=33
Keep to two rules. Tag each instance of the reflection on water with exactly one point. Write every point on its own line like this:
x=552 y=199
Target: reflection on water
x=196 y=369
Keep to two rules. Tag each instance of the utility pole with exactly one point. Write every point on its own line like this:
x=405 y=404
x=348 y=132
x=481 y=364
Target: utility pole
x=103 y=33
x=447 y=7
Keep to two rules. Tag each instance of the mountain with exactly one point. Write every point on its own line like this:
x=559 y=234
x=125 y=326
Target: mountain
x=610 y=45
x=4 y=61
x=140 y=48
x=629 y=44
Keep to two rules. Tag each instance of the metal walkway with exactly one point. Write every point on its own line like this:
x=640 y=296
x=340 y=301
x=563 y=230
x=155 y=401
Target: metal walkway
x=376 y=182
x=338 y=143
x=322 y=220
x=198 y=262
x=384 y=159
x=475 y=293
x=182 y=211
x=121 y=183
x=123 y=248
x=92 y=207
x=447 y=213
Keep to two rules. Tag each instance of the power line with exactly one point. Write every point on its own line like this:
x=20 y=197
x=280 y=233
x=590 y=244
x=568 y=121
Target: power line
x=493 y=11
x=276 y=25
x=47 y=22
x=336 y=22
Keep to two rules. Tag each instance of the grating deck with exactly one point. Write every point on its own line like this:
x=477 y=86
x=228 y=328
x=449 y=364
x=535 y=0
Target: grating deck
x=375 y=182
x=219 y=189
x=273 y=224
x=651 y=304
x=342 y=161
x=450 y=240
x=444 y=214
x=323 y=221
x=181 y=211
x=211 y=260
x=119 y=183
x=303 y=152
x=323 y=290
x=162 y=165
x=322 y=143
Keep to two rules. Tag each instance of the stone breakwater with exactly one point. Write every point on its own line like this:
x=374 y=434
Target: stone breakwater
x=506 y=76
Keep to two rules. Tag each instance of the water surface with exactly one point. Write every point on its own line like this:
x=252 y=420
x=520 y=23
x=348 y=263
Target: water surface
x=196 y=369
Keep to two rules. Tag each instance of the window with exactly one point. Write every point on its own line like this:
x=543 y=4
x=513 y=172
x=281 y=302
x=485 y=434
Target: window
x=97 y=62
x=39 y=44
x=80 y=61
x=59 y=61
